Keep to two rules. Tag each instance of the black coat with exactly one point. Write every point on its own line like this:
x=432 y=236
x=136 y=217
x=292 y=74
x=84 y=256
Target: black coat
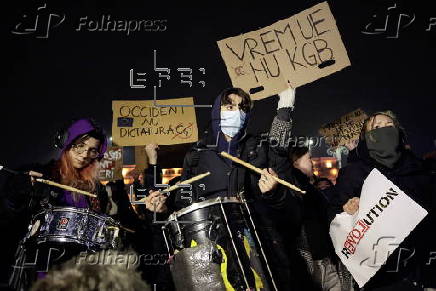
x=21 y=197
x=410 y=175
x=20 y=200
x=226 y=178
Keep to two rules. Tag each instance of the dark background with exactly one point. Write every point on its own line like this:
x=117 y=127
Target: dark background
x=72 y=74
x=75 y=74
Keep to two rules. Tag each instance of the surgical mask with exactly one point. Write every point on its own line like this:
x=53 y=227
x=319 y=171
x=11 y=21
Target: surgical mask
x=384 y=145
x=232 y=122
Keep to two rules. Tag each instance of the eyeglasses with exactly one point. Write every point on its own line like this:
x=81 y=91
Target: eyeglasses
x=81 y=148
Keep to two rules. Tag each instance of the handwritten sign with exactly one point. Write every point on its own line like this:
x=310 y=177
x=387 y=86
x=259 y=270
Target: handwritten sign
x=289 y=53
x=139 y=122
x=364 y=241
x=111 y=165
x=345 y=129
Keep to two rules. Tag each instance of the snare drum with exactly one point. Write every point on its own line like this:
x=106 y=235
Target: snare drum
x=69 y=225
x=219 y=222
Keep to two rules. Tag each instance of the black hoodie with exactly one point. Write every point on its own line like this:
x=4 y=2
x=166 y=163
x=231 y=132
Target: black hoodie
x=410 y=175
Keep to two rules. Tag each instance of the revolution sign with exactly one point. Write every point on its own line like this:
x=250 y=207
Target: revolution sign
x=365 y=240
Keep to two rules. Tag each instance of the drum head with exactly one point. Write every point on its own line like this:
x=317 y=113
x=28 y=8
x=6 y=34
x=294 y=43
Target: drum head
x=203 y=204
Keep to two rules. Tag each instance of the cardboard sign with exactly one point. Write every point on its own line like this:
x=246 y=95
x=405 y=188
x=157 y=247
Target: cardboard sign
x=289 y=53
x=364 y=241
x=111 y=165
x=345 y=129
x=139 y=122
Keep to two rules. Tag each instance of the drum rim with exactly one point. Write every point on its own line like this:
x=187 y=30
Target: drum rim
x=203 y=204
x=67 y=239
x=85 y=211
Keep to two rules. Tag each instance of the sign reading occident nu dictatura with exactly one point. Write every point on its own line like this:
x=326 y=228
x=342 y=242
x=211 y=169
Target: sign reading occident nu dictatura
x=139 y=122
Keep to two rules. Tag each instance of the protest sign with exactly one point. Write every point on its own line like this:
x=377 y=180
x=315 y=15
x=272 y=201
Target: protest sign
x=345 y=129
x=140 y=123
x=288 y=53
x=111 y=165
x=365 y=240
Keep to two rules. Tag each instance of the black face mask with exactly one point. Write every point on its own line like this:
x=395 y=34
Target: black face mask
x=384 y=145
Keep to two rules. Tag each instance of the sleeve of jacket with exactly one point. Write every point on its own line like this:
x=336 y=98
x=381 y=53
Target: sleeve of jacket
x=103 y=198
x=19 y=193
x=281 y=130
x=178 y=199
x=278 y=159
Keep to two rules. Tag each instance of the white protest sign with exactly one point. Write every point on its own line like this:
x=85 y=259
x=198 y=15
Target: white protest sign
x=365 y=240
x=111 y=165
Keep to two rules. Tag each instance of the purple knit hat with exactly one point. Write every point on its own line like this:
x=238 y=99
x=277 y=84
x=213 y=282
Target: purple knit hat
x=81 y=127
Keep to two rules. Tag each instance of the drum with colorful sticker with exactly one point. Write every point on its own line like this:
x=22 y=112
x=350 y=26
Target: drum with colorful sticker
x=221 y=224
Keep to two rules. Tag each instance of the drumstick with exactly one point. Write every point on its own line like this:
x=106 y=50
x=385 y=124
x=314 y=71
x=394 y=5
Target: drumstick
x=189 y=181
x=260 y=172
x=69 y=188
x=122 y=227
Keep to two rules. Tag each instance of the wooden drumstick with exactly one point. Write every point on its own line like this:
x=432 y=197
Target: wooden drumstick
x=122 y=227
x=65 y=187
x=260 y=172
x=189 y=181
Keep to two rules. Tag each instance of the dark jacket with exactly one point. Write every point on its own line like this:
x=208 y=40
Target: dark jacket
x=20 y=201
x=314 y=218
x=410 y=175
x=226 y=178
x=21 y=197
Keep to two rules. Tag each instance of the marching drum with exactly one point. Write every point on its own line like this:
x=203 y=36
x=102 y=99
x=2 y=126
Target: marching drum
x=77 y=226
x=217 y=231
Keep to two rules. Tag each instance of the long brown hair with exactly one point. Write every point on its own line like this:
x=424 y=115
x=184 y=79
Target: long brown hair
x=83 y=179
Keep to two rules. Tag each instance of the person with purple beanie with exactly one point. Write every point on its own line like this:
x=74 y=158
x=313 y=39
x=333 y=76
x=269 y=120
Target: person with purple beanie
x=82 y=145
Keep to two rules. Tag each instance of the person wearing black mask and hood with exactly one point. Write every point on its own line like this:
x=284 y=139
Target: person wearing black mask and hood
x=227 y=133
x=382 y=146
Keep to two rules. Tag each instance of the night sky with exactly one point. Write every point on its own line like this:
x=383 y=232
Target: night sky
x=72 y=74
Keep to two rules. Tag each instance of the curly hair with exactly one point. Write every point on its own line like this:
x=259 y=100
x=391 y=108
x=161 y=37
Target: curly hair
x=86 y=277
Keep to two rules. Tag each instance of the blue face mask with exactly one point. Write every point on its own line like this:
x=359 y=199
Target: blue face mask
x=232 y=122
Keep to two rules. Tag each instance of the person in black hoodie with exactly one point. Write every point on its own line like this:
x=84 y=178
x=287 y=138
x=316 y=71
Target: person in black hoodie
x=230 y=116
x=382 y=146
